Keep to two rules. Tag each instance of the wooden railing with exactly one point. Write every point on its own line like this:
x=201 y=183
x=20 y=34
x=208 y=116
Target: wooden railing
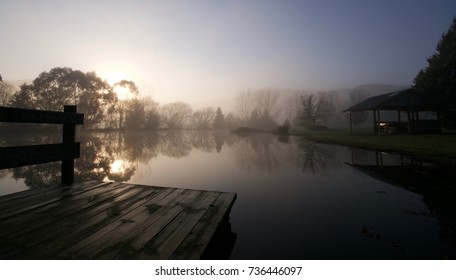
x=65 y=152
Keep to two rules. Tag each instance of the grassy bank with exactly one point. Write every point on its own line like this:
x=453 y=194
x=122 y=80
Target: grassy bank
x=440 y=147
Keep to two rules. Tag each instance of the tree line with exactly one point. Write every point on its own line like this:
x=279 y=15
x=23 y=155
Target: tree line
x=102 y=106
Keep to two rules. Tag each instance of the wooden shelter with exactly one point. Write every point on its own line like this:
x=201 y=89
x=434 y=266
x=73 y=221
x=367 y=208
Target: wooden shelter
x=408 y=101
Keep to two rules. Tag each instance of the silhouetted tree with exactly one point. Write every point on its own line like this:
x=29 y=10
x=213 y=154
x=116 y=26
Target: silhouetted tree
x=244 y=105
x=258 y=109
x=135 y=115
x=313 y=110
x=176 y=115
x=128 y=90
x=203 y=118
x=61 y=86
x=438 y=79
x=152 y=115
x=6 y=92
x=219 y=120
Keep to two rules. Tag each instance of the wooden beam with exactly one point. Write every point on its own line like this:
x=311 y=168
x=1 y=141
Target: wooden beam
x=20 y=115
x=11 y=157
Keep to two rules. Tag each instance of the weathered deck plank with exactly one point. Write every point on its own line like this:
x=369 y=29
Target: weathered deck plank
x=110 y=221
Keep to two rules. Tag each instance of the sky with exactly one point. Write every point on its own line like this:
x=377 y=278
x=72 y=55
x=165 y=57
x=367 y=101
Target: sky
x=207 y=52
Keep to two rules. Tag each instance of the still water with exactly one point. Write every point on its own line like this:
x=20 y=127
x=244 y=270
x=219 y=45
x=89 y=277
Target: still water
x=296 y=199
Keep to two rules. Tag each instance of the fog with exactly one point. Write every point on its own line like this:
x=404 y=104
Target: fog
x=206 y=53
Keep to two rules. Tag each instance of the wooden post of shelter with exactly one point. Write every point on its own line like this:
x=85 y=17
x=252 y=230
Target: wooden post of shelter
x=351 y=124
x=375 y=121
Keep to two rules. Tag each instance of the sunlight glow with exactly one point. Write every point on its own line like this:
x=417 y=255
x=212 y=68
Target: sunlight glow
x=123 y=93
x=114 y=76
x=118 y=166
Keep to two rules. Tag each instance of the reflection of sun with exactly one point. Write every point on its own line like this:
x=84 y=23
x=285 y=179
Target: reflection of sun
x=118 y=166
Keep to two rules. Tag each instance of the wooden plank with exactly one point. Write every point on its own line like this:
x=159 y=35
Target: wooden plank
x=55 y=209
x=199 y=237
x=17 y=156
x=123 y=222
x=76 y=226
x=165 y=243
x=78 y=230
x=20 y=197
x=45 y=197
x=19 y=115
x=122 y=239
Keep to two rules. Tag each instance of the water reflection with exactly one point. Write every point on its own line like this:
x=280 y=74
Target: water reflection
x=317 y=158
x=367 y=204
x=431 y=181
x=257 y=152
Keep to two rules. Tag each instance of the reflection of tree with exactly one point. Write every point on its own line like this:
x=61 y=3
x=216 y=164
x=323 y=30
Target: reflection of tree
x=316 y=158
x=139 y=147
x=203 y=140
x=257 y=151
x=175 y=144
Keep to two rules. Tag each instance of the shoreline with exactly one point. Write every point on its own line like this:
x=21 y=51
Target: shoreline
x=437 y=148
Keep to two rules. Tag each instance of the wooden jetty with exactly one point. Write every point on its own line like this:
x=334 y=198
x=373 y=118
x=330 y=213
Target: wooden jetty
x=104 y=220
x=100 y=220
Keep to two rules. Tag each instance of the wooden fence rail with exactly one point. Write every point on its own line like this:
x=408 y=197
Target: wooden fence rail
x=65 y=152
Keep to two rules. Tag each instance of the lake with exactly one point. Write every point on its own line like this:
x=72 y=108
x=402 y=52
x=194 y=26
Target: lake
x=296 y=199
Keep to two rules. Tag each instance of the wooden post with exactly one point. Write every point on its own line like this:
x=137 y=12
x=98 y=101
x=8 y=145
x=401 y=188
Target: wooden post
x=409 y=123
x=375 y=121
x=69 y=136
x=351 y=125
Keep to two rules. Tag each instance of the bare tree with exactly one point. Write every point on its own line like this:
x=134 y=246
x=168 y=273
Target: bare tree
x=266 y=103
x=203 y=118
x=244 y=105
x=290 y=105
x=176 y=115
x=313 y=110
x=258 y=109
x=6 y=92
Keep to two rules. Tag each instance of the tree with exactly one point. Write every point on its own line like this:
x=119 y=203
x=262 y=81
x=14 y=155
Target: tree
x=203 y=118
x=62 y=86
x=176 y=115
x=152 y=118
x=313 y=110
x=258 y=109
x=219 y=120
x=6 y=92
x=125 y=90
x=244 y=105
x=438 y=79
x=135 y=115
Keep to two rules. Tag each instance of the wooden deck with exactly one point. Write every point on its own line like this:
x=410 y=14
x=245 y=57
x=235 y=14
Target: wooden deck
x=102 y=220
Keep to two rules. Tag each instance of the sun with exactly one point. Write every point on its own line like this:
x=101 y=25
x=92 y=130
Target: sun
x=123 y=93
x=114 y=76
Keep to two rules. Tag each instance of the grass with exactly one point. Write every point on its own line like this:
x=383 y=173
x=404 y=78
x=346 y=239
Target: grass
x=437 y=147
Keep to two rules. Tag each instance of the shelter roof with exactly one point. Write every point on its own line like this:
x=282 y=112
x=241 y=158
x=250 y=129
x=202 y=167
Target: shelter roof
x=404 y=100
